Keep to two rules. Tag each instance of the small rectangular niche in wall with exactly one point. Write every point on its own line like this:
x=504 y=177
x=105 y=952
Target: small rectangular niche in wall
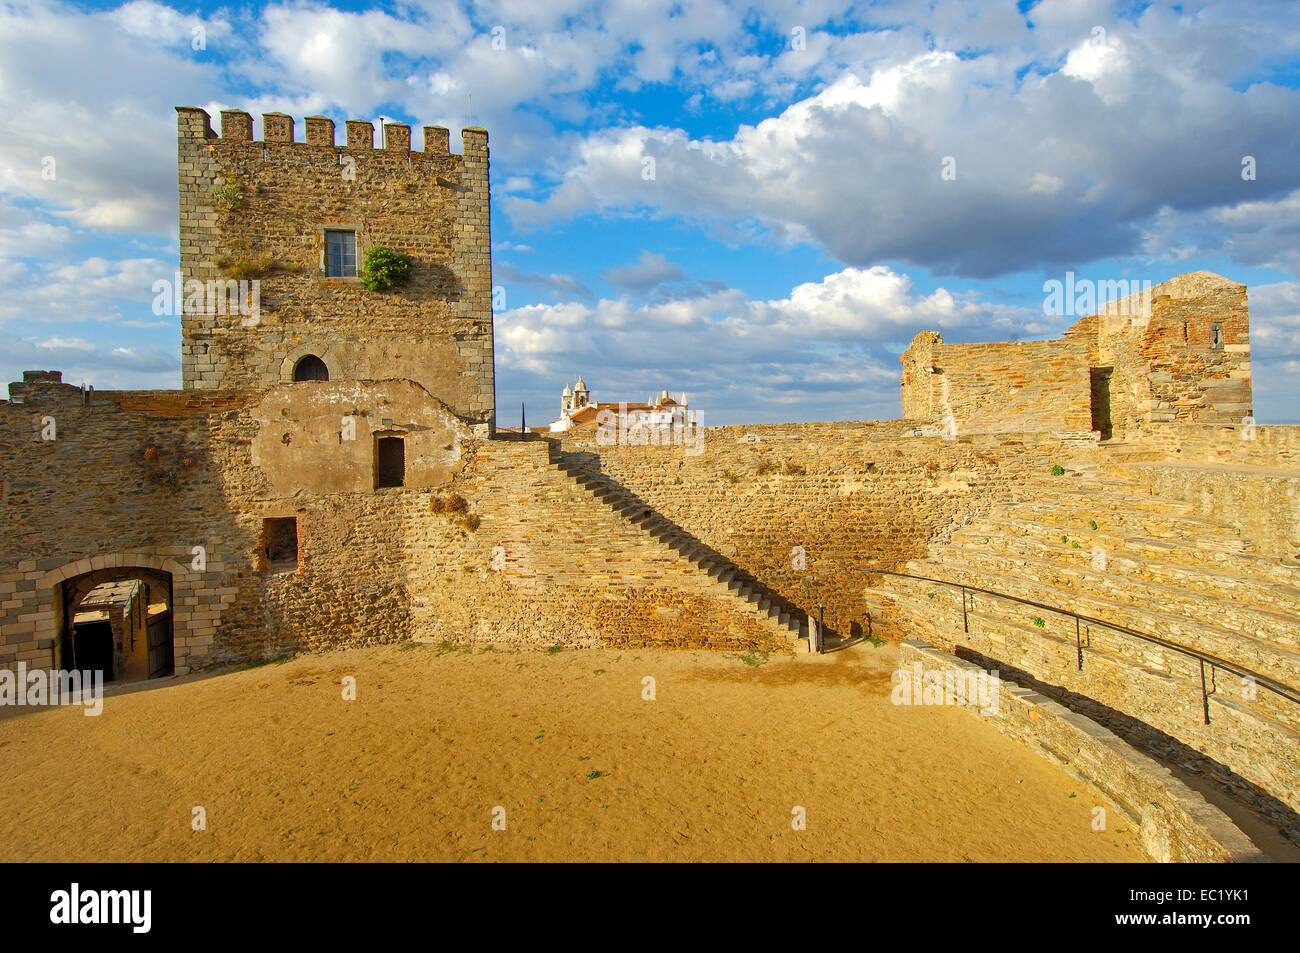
x=280 y=542
x=1216 y=336
x=390 y=462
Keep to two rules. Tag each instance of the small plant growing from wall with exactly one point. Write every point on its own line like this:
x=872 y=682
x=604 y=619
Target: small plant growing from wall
x=1092 y=524
x=451 y=503
x=454 y=506
x=229 y=195
x=1038 y=621
x=383 y=269
x=242 y=269
x=1058 y=470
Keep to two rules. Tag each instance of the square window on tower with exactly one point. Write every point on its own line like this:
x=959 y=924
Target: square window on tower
x=340 y=253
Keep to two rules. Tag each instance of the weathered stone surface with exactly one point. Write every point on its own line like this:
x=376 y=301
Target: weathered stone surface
x=436 y=329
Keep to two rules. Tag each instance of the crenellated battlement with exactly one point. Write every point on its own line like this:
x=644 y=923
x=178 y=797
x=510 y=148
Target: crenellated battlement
x=298 y=218
x=278 y=129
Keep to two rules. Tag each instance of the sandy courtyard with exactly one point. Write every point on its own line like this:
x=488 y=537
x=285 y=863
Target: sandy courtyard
x=584 y=768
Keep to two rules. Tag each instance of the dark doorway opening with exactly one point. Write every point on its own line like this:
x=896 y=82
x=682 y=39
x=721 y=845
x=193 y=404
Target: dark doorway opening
x=280 y=541
x=310 y=368
x=390 y=462
x=1101 y=420
x=118 y=622
x=94 y=647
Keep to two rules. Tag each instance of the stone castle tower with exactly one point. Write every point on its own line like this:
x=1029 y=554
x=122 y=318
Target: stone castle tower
x=298 y=217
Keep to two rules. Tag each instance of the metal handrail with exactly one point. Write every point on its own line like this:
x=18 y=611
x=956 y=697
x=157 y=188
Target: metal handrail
x=1214 y=661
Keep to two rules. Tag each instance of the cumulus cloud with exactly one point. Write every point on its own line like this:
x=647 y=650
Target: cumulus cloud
x=89 y=289
x=823 y=347
x=647 y=272
x=81 y=361
x=86 y=121
x=963 y=165
x=563 y=285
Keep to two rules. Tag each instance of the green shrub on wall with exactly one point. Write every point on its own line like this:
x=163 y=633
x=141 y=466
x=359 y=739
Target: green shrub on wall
x=384 y=269
x=229 y=196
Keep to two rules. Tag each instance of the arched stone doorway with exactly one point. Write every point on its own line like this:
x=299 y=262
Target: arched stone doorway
x=120 y=621
x=118 y=614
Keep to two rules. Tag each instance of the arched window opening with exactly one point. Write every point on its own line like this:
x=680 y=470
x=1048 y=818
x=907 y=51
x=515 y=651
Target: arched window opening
x=310 y=368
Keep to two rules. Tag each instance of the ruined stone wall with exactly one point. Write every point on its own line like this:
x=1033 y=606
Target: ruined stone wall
x=920 y=400
x=1002 y=387
x=848 y=494
x=1168 y=366
x=1160 y=347
x=266 y=220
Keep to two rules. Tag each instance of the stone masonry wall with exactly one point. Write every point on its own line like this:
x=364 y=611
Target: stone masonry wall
x=1006 y=386
x=848 y=494
x=1168 y=367
x=1160 y=346
x=550 y=564
x=274 y=200
x=133 y=482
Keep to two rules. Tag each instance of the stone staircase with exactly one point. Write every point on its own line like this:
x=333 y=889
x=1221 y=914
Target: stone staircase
x=1098 y=543
x=728 y=580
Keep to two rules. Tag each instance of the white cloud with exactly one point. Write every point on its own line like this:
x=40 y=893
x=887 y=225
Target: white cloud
x=1056 y=170
x=89 y=289
x=650 y=270
x=127 y=368
x=824 y=344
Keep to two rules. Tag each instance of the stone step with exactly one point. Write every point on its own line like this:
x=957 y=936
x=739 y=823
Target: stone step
x=1122 y=582
x=946 y=623
x=1279 y=660
x=1105 y=501
x=1050 y=653
x=1192 y=545
x=1148 y=560
x=1226 y=554
x=1076 y=519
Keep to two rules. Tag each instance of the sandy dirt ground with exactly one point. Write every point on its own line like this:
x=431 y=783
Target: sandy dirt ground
x=585 y=768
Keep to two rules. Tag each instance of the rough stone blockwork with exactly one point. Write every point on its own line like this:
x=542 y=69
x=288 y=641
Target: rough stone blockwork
x=804 y=507
x=1178 y=352
x=260 y=211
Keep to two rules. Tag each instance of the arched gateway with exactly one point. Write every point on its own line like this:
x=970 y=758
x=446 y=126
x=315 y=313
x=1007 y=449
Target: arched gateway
x=119 y=614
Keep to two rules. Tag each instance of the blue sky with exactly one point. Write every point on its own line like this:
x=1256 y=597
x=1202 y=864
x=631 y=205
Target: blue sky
x=798 y=228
